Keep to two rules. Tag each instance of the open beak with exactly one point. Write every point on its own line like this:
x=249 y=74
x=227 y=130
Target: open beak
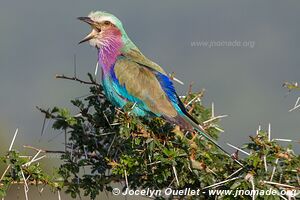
x=92 y=24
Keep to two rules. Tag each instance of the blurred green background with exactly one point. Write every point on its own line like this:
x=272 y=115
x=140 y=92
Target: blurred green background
x=38 y=39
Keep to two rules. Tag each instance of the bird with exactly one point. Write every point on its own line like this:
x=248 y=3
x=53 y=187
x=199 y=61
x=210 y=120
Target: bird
x=129 y=76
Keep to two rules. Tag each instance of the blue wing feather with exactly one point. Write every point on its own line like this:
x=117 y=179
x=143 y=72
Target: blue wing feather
x=167 y=86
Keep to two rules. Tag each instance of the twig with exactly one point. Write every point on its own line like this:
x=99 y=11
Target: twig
x=13 y=140
x=76 y=79
x=43 y=150
x=44 y=126
x=107 y=119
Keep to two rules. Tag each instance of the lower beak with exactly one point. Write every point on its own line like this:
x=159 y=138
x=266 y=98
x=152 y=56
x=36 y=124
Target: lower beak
x=90 y=35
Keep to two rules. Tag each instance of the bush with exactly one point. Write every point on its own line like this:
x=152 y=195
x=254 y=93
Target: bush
x=107 y=145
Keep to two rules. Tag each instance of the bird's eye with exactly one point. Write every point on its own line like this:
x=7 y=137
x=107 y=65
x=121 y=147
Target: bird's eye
x=107 y=22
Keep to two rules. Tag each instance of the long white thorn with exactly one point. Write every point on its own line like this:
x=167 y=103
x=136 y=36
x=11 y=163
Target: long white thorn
x=269 y=132
x=298 y=99
x=274 y=169
x=58 y=193
x=26 y=188
x=175 y=173
x=37 y=159
x=296 y=105
x=33 y=159
x=5 y=171
x=241 y=150
x=259 y=129
x=176 y=79
x=294 y=108
x=265 y=163
x=219 y=129
x=283 y=140
x=13 y=140
x=26 y=192
x=214 y=118
x=96 y=68
x=282 y=196
x=235 y=172
x=126 y=180
x=212 y=110
x=221 y=183
x=191 y=101
x=253 y=188
x=153 y=163
x=279 y=184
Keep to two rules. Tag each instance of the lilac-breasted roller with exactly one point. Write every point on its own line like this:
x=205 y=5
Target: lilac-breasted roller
x=129 y=76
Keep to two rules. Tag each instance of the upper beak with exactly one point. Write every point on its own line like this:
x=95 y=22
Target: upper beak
x=92 y=24
x=86 y=20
